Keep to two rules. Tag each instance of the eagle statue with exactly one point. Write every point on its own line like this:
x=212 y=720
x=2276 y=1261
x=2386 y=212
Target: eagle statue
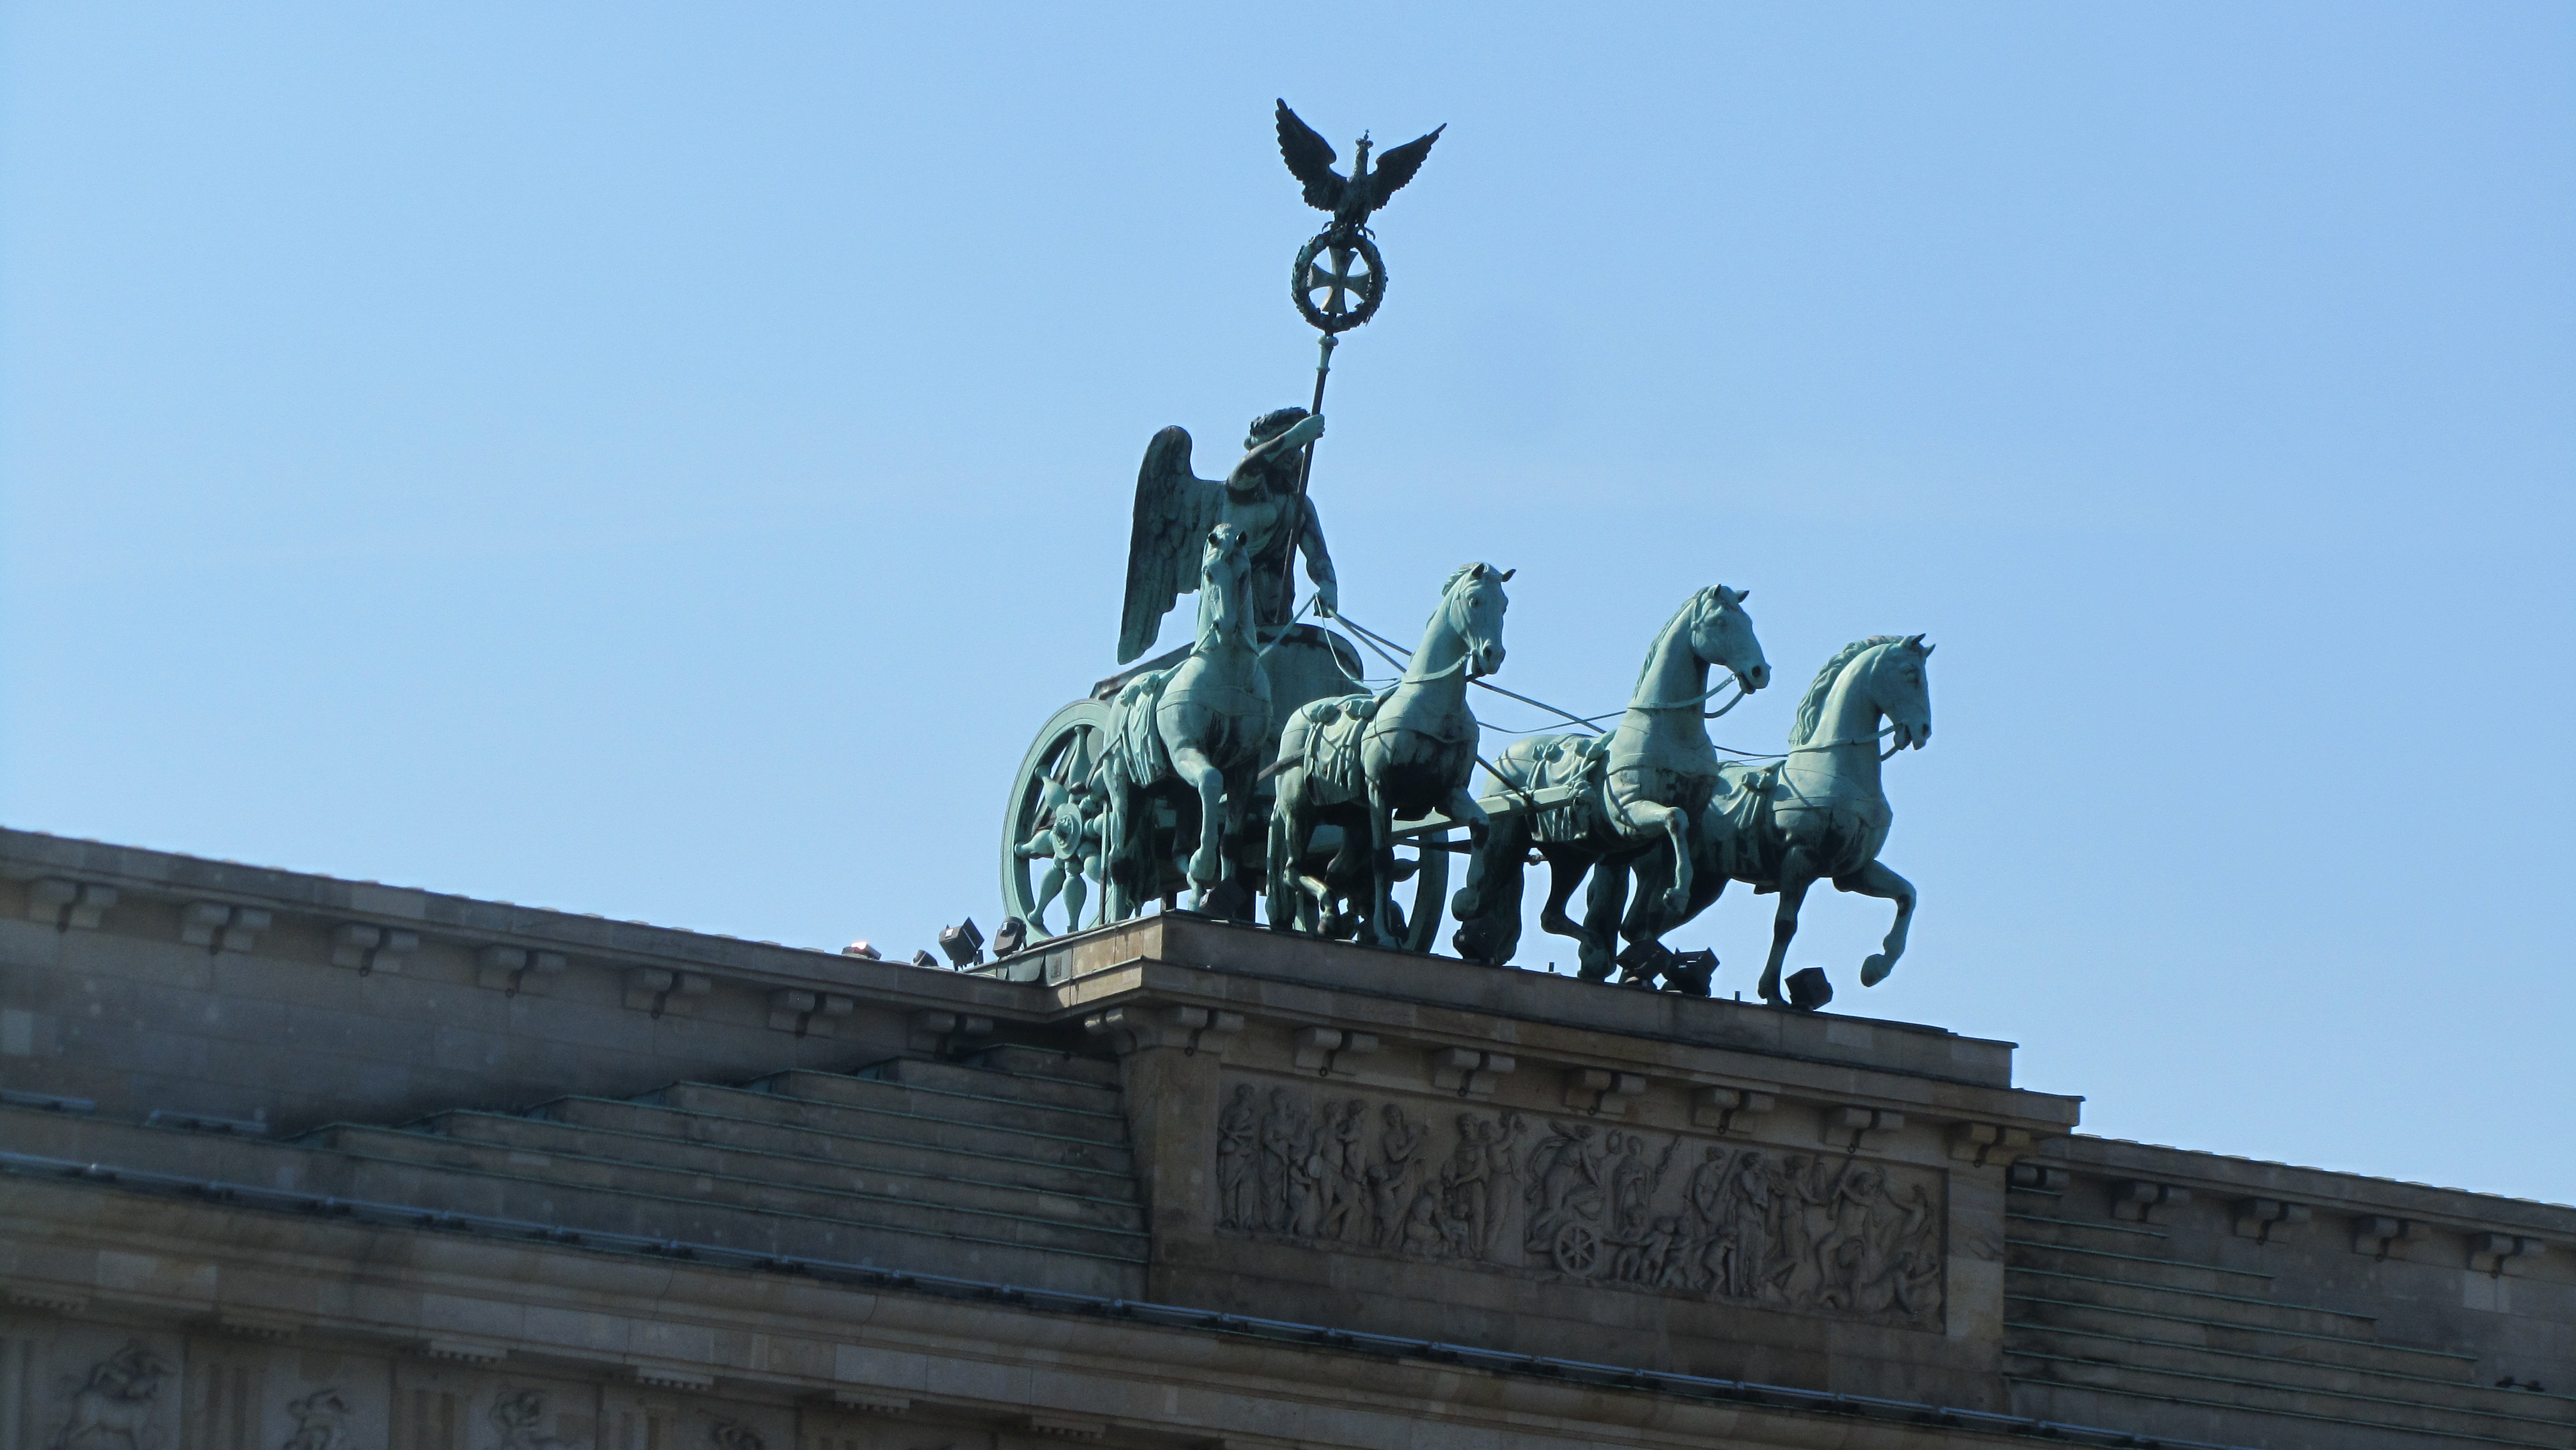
x=1350 y=198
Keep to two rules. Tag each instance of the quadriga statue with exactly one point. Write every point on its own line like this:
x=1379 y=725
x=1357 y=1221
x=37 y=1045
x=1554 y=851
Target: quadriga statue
x=1360 y=761
x=1644 y=786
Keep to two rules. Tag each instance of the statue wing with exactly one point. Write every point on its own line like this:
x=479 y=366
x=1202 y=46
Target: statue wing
x=1175 y=508
x=1396 y=166
x=1310 y=158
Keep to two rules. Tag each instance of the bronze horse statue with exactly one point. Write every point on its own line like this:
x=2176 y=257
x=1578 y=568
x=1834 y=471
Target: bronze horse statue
x=1361 y=761
x=1643 y=787
x=1194 y=734
x=1818 y=813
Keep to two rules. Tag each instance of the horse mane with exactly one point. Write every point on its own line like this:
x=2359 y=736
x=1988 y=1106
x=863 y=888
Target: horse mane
x=1690 y=608
x=1811 y=706
x=1451 y=583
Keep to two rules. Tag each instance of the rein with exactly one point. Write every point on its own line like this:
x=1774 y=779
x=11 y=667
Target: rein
x=1698 y=700
x=1839 y=744
x=1373 y=640
x=1589 y=722
x=1381 y=644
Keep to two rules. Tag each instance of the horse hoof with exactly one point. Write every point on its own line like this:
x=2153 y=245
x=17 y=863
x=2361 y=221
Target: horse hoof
x=1875 y=970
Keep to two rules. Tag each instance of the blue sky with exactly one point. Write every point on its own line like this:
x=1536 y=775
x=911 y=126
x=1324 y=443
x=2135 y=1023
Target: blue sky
x=666 y=461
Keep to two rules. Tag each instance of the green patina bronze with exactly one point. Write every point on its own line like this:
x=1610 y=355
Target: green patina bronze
x=1249 y=763
x=1815 y=813
x=1643 y=786
x=1360 y=761
x=1201 y=727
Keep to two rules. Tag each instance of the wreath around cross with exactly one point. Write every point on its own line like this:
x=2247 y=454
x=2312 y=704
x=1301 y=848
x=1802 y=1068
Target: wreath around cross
x=1334 y=295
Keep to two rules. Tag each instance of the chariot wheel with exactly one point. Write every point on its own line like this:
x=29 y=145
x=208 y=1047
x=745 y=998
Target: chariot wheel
x=1338 y=282
x=1067 y=747
x=1576 y=1250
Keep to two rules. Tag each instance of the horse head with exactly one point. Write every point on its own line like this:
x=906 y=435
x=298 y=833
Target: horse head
x=1901 y=687
x=1225 y=576
x=1472 y=606
x=1721 y=633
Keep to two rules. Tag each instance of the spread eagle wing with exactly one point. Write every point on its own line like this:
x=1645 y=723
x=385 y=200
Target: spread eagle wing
x=1175 y=508
x=1396 y=166
x=1310 y=158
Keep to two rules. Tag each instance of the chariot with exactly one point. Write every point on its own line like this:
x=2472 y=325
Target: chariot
x=1069 y=748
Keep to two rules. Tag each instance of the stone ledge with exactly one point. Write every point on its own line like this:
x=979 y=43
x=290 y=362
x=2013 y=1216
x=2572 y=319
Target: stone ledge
x=2223 y=1178
x=790 y=1337
x=131 y=875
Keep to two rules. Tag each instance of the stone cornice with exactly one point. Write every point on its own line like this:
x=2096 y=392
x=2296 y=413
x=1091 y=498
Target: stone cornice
x=135 y=1258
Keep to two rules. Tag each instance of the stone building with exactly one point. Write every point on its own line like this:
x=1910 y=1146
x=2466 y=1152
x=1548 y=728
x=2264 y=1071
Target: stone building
x=294 y=1163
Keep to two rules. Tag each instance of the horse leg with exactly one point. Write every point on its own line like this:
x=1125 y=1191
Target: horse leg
x=1381 y=870
x=1648 y=917
x=1565 y=871
x=1462 y=805
x=1797 y=873
x=1236 y=867
x=1287 y=842
x=1678 y=830
x=1207 y=867
x=1602 y=906
x=1644 y=818
x=1876 y=880
x=1489 y=907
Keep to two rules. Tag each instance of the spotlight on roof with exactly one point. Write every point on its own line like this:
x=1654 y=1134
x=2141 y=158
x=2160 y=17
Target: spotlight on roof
x=924 y=959
x=964 y=944
x=1808 y=989
x=1643 y=962
x=1012 y=938
x=1689 y=973
x=862 y=949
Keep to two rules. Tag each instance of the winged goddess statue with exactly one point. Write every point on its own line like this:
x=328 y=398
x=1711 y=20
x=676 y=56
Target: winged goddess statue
x=1175 y=509
x=1350 y=199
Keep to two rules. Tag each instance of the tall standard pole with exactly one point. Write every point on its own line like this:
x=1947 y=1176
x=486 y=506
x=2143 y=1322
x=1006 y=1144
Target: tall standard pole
x=1306 y=466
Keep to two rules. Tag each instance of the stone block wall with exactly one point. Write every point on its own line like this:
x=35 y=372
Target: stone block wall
x=1216 y=1118
x=144 y=982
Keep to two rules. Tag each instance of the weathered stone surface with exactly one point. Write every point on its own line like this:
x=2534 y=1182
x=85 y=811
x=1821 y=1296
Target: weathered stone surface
x=406 y=1204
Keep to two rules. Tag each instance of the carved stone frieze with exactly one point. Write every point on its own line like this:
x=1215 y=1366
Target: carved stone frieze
x=1583 y=1200
x=321 y=1421
x=119 y=1402
x=519 y=1418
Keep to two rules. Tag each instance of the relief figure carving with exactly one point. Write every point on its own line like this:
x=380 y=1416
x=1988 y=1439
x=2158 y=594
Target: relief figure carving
x=319 y=1420
x=1587 y=1201
x=114 y=1403
x=520 y=1417
x=1283 y=1133
x=1390 y=1178
x=1346 y=1159
x=1238 y=1145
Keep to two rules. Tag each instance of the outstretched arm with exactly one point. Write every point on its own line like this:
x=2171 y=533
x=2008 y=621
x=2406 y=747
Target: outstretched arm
x=1307 y=430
